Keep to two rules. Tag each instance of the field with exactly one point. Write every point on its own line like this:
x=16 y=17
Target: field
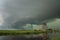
x=18 y=32
x=24 y=32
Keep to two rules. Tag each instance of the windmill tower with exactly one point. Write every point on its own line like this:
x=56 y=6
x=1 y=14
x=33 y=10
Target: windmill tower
x=44 y=26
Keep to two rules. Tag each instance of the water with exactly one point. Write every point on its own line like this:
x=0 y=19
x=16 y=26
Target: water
x=22 y=37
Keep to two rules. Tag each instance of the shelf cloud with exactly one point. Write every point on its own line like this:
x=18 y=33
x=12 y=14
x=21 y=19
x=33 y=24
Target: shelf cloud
x=23 y=12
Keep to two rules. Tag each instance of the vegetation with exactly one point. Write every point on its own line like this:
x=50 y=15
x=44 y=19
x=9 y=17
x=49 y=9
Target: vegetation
x=23 y=32
x=18 y=32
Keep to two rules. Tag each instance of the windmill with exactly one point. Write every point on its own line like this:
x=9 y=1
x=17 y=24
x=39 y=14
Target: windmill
x=44 y=28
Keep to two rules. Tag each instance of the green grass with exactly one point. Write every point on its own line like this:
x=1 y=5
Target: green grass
x=23 y=32
x=18 y=32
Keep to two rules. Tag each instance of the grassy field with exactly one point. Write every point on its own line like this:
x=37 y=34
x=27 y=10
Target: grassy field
x=23 y=32
x=18 y=32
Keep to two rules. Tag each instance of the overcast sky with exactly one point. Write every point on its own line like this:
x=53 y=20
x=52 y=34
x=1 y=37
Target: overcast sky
x=17 y=13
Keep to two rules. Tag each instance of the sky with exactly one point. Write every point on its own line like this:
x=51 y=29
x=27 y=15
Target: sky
x=17 y=13
x=54 y=25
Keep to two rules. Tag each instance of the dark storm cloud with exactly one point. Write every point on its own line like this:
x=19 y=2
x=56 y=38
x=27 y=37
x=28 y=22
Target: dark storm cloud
x=30 y=11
